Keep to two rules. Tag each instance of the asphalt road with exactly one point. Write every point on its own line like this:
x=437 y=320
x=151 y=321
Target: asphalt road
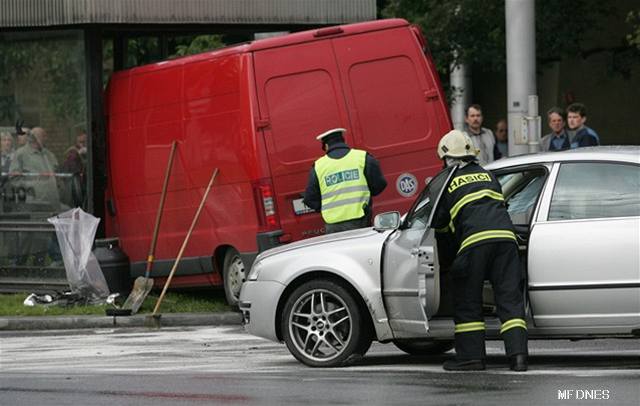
x=223 y=365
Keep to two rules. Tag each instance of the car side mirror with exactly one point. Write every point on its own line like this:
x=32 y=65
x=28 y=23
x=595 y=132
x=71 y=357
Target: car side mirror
x=387 y=221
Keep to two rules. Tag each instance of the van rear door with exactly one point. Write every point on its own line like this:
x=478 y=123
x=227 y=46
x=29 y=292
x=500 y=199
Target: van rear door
x=399 y=109
x=299 y=96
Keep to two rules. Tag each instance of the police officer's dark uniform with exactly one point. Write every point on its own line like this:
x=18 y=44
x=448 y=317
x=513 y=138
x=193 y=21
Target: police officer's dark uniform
x=341 y=184
x=472 y=219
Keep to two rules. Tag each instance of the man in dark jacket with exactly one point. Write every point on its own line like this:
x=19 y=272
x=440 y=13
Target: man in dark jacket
x=473 y=223
x=581 y=135
x=342 y=182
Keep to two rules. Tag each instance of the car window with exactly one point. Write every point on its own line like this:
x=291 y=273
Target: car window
x=418 y=216
x=521 y=191
x=596 y=190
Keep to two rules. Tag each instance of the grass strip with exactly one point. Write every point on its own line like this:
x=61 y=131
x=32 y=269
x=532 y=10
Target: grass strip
x=201 y=301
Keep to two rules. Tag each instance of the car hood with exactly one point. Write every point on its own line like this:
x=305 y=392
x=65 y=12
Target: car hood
x=351 y=235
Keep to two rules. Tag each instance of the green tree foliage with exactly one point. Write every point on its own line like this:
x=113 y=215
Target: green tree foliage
x=475 y=29
x=633 y=18
x=201 y=43
x=56 y=64
x=143 y=50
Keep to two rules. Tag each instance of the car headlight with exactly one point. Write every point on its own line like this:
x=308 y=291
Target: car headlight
x=255 y=271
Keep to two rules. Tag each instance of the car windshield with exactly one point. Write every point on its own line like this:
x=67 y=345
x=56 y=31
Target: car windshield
x=420 y=211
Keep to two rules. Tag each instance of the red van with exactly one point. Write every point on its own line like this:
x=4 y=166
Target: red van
x=253 y=111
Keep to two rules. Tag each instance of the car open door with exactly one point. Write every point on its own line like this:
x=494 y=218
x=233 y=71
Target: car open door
x=409 y=274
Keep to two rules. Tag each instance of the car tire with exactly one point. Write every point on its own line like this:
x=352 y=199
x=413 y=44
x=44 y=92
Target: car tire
x=424 y=347
x=323 y=325
x=234 y=274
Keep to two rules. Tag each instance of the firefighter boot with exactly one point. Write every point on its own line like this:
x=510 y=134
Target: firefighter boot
x=464 y=365
x=518 y=363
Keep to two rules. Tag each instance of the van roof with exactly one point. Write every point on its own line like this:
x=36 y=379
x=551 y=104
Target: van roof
x=338 y=30
x=274 y=42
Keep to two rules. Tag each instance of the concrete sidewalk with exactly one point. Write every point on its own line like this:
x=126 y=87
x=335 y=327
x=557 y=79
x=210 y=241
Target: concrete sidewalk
x=80 y=322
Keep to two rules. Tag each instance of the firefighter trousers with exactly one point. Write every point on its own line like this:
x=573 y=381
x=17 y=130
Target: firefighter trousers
x=500 y=264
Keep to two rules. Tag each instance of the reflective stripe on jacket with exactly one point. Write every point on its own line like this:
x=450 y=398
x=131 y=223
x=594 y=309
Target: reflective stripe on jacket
x=472 y=209
x=343 y=186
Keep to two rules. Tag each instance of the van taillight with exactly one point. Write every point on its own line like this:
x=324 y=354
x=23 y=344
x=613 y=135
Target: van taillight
x=266 y=204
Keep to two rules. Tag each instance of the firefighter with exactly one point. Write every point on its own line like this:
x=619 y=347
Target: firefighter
x=342 y=182
x=476 y=238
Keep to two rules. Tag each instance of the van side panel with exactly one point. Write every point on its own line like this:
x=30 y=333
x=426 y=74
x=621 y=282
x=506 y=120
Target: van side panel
x=300 y=96
x=203 y=105
x=219 y=132
x=397 y=107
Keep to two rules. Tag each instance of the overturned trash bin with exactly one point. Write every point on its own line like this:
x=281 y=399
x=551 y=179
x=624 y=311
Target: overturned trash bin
x=75 y=230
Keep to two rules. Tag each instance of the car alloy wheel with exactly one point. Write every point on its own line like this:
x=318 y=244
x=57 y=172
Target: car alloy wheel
x=323 y=326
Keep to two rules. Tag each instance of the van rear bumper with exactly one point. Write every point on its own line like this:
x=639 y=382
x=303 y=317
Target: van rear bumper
x=265 y=241
x=268 y=240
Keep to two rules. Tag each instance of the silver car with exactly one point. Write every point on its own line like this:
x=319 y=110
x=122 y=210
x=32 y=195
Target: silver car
x=577 y=216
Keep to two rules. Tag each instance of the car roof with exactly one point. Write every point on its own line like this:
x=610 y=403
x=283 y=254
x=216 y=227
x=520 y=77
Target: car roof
x=619 y=153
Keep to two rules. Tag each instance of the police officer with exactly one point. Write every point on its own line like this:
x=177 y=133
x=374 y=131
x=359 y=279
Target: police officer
x=342 y=182
x=475 y=235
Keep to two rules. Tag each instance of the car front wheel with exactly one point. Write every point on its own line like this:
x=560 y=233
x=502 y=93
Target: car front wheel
x=323 y=325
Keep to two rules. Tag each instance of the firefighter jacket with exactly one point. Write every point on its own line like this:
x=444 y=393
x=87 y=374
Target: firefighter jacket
x=471 y=211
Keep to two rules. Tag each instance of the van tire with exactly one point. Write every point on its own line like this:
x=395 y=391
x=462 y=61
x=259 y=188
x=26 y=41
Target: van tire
x=233 y=275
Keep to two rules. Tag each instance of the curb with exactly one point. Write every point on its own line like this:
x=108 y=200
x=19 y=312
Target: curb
x=138 y=320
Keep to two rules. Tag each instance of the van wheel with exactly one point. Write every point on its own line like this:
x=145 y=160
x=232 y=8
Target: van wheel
x=323 y=326
x=424 y=347
x=233 y=276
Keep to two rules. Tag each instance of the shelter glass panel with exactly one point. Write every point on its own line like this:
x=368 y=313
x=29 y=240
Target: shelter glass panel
x=43 y=112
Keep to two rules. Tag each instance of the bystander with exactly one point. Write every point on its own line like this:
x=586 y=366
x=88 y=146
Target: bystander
x=558 y=139
x=482 y=138
x=501 y=149
x=581 y=135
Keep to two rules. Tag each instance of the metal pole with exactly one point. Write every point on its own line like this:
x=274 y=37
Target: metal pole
x=521 y=70
x=534 y=125
x=461 y=84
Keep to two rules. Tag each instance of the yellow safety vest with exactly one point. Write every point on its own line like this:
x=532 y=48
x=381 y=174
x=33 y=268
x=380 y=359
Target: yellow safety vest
x=343 y=186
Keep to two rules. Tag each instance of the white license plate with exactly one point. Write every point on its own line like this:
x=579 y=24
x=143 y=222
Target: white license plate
x=300 y=208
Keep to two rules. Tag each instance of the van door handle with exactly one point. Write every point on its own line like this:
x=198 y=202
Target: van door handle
x=431 y=95
x=262 y=123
